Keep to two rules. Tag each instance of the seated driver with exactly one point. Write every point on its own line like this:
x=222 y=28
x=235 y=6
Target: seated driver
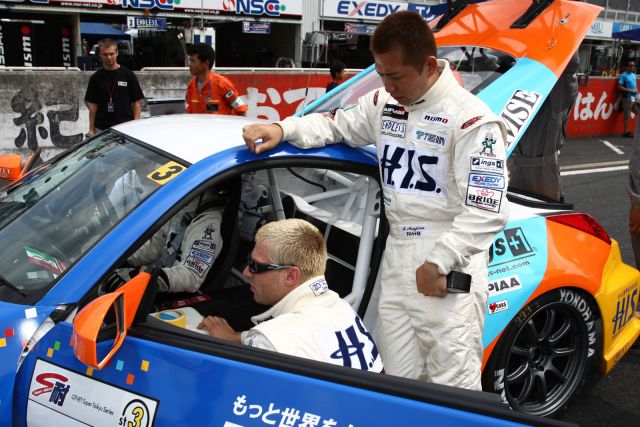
x=185 y=247
x=307 y=319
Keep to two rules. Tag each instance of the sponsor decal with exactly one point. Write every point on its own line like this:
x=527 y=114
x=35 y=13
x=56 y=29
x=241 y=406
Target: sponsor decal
x=387 y=200
x=208 y=232
x=483 y=198
x=436 y=119
x=319 y=287
x=470 y=122
x=375 y=95
x=487 y=145
x=411 y=170
x=393 y=128
x=66 y=46
x=196 y=265
x=237 y=103
x=229 y=94
x=484 y=164
x=331 y=114
x=49 y=262
x=518 y=112
x=45 y=380
x=201 y=255
x=74 y=399
x=205 y=245
x=498 y=306
x=122 y=84
x=504 y=285
x=432 y=138
x=259 y=7
x=579 y=303
x=513 y=242
x=412 y=231
x=4 y=172
x=365 y=9
x=3 y=61
x=149 y=4
x=27 y=56
x=395 y=112
x=625 y=308
x=486 y=181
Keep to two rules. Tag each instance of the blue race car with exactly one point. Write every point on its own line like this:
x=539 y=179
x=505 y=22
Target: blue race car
x=75 y=352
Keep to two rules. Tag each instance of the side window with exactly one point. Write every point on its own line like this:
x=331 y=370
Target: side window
x=344 y=207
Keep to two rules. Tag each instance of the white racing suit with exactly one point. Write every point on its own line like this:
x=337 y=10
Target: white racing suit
x=442 y=167
x=200 y=247
x=313 y=322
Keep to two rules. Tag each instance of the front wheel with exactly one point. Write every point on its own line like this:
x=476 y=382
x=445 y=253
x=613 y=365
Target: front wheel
x=545 y=353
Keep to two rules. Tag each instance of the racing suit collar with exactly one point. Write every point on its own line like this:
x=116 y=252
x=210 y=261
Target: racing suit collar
x=440 y=89
x=312 y=288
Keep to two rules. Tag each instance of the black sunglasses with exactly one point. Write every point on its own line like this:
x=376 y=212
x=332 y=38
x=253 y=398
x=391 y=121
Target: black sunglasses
x=256 y=267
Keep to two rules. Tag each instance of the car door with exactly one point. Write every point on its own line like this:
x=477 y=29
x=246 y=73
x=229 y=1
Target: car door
x=156 y=373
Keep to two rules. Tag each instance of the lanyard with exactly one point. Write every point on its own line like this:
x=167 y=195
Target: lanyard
x=113 y=87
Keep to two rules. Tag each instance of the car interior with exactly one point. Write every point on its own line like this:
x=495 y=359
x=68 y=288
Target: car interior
x=342 y=205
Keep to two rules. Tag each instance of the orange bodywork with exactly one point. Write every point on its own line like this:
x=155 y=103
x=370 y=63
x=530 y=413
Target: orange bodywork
x=550 y=39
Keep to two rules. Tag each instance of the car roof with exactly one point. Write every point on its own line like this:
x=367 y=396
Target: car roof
x=190 y=137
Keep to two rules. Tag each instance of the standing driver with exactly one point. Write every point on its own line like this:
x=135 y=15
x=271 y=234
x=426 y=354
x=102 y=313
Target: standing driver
x=209 y=92
x=441 y=153
x=307 y=319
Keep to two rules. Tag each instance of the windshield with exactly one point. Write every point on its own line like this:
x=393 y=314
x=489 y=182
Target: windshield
x=475 y=67
x=53 y=216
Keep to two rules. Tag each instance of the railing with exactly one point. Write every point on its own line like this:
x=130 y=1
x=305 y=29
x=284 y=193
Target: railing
x=16 y=68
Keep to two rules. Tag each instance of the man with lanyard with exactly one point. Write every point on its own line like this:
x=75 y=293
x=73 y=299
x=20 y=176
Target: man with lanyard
x=113 y=95
x=208 y=92
x=307 y=319
x=444 y=208
x=627 y=84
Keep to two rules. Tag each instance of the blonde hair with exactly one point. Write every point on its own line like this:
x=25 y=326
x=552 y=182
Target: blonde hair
x=295 y=242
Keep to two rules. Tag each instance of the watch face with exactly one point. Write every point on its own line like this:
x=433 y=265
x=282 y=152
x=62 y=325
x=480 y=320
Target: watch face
x=212 y=108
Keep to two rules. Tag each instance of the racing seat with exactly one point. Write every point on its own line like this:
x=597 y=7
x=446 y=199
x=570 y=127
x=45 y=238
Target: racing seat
x=221 y=268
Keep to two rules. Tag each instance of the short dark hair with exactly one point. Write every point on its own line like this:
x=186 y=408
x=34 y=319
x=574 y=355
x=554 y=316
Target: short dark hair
x=107 y=42
x=204 y=51
x=631 y=62
x=336 y=67
x=407 y=31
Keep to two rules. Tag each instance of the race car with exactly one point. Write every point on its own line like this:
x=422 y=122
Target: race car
x=76 y=351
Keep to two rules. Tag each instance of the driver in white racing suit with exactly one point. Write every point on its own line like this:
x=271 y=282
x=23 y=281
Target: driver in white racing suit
x=442 y=166
x=185 y=248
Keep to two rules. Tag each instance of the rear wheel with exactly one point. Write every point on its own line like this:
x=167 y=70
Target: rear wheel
x=546 y=351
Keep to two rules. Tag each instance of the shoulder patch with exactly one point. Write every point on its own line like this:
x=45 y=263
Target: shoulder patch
x=470 y=122
x=395 y=112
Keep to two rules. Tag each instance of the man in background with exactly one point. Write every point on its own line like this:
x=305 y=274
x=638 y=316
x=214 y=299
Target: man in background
x=208 y=92
x=627 y=84
x=336 y=69
x=113 y=95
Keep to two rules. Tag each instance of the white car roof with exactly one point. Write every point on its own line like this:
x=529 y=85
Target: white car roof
x=190 y=137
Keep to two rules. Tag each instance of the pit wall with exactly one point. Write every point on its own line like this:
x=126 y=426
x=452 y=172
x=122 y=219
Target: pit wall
x=46 y=108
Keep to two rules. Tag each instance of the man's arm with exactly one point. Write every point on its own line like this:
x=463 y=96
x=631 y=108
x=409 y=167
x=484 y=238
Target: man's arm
x=135 y=106
x=93 y=108
x=352 y=124
x=485 y=209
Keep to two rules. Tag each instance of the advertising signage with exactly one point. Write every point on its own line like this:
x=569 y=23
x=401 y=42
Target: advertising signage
x=376 y=10
x=257 y=8
x=29 y=43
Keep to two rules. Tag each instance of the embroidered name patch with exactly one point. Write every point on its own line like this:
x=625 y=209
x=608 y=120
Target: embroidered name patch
x=123 y=84
x=412 y=231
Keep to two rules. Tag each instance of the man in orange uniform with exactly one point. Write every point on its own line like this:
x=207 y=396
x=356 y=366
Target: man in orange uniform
x=209 y=92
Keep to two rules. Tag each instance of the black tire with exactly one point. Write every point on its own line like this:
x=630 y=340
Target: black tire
x=545 y=354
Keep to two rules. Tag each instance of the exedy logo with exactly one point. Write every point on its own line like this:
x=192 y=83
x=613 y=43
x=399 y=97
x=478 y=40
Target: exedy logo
x=513 y=242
